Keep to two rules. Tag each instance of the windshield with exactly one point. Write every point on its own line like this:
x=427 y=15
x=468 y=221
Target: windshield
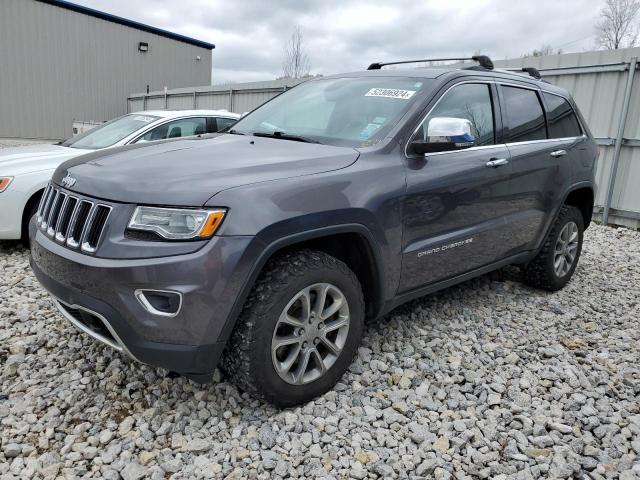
x=342 y=111
x=111 y=132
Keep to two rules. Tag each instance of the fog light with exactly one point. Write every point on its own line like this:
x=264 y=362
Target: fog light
x=160 y=302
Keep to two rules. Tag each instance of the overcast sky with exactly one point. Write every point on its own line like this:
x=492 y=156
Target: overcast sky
x=347 y=35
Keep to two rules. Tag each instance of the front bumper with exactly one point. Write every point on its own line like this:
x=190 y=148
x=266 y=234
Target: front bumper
x=97 y=295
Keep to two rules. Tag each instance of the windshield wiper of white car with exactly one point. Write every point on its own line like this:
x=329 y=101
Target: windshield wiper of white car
x=286 y=136
x=233 y=131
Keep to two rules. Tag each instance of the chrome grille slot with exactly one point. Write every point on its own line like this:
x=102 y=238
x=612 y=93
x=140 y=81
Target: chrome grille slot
x=59 y=209
x=47 y=207
x=43 y=201
x=95 y=226
x=78 y=223
x=64 y=220
x=54 y=216
x=72 y=220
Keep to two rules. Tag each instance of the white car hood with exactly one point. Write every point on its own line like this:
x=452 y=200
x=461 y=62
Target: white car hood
x=34 y=158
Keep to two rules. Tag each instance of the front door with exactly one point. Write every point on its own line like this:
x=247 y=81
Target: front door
x=453 y=213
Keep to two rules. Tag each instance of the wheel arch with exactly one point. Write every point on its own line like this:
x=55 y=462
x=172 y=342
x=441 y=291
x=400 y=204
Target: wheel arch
x=581 y=196
x=337 y=241
x=33 y=200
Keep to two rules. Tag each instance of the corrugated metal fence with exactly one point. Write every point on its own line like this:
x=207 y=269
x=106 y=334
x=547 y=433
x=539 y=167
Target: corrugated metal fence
x=239 y=97
x=605 y=85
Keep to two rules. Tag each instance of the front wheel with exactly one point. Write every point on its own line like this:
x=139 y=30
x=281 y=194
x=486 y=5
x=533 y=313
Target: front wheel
x=299 y=329
x=554 y=265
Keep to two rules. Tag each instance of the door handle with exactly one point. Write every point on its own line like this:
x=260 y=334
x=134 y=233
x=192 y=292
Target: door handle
x=558 y=153
x=496 y=162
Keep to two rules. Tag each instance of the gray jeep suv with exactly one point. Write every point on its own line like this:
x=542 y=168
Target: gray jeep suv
x=265 y=249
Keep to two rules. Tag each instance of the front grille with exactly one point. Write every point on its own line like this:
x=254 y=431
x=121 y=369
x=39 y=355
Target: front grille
x=74 y=221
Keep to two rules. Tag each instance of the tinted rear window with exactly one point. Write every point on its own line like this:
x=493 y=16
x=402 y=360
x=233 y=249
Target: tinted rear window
x=562 y=119
x=524 y=115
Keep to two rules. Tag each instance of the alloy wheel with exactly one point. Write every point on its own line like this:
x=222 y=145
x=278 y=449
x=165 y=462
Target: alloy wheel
x=310 y=334
x=565 y=249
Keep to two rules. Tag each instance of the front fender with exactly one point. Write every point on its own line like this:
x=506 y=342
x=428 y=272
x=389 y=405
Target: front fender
x=261 y=251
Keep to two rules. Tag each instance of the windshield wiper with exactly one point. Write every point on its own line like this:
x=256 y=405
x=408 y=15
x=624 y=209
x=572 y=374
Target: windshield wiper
x=233 y=131
x=286 y=136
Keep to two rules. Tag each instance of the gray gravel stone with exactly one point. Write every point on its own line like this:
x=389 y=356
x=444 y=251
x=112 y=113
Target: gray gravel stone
x=12 y=450
x=133 y=471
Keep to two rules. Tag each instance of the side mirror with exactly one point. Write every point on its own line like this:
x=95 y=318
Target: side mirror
x=444 y=134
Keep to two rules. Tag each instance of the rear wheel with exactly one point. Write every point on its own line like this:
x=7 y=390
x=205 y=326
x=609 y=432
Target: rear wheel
x=554 y=265
x=299 y=329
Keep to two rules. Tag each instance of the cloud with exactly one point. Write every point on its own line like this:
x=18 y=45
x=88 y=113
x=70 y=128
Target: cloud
x=347 y=35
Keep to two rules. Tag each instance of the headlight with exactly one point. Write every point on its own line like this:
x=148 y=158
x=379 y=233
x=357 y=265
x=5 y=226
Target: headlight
x=4 y=183
x=177 y=223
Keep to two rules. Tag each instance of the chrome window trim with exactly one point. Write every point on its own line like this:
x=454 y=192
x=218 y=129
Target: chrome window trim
x=140 y=296
x=470 y=149
x=494 y=82
x=547 y=140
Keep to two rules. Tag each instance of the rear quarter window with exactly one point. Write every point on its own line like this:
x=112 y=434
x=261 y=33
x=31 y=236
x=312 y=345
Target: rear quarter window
x=562 y=119
x=524 y=115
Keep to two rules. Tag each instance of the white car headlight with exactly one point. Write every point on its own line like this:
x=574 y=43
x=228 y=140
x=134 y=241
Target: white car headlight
x=4 y=183
x=177 y=223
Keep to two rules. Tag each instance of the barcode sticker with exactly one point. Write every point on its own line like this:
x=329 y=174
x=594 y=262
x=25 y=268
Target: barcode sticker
x=390 y=93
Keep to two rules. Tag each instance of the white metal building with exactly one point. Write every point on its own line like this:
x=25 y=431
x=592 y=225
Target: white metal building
x=61 y=62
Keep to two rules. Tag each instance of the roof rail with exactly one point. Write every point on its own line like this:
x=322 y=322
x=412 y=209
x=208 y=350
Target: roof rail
x=483 y=60
x=533 y=72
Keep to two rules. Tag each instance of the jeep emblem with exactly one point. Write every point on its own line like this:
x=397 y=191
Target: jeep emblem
x=68 y=181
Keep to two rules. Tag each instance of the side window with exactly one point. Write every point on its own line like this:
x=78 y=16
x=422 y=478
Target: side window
x=462 y=118
x=224 y=123
x=175 y=129
x=562 y=119
x=524 y=115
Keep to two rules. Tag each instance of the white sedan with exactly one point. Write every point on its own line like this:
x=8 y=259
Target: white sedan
x=25 y=171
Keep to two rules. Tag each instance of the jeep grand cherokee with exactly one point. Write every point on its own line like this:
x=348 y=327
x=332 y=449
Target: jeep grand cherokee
x=265 y=249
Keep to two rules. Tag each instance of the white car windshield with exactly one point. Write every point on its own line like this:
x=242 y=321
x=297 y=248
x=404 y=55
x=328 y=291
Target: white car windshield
x=336 y=111
x=111 y=132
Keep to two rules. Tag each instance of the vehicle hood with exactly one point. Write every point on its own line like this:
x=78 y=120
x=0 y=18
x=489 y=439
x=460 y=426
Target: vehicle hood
x=188 y=172
x=33 y=158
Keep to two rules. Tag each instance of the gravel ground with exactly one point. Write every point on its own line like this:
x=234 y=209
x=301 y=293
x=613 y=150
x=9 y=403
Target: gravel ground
x=489 y=379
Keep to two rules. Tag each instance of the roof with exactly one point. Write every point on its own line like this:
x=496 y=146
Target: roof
x=188 y=113
x=128 y=23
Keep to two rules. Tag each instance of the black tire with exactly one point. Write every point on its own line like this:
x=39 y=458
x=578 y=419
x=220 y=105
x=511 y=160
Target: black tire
x=541 y=272
x=247 y=359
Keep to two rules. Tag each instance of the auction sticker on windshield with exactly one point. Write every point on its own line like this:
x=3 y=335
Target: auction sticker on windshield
x=390 y=93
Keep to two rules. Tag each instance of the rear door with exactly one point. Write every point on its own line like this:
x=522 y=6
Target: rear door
x=453 y=213
x=540 y=160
